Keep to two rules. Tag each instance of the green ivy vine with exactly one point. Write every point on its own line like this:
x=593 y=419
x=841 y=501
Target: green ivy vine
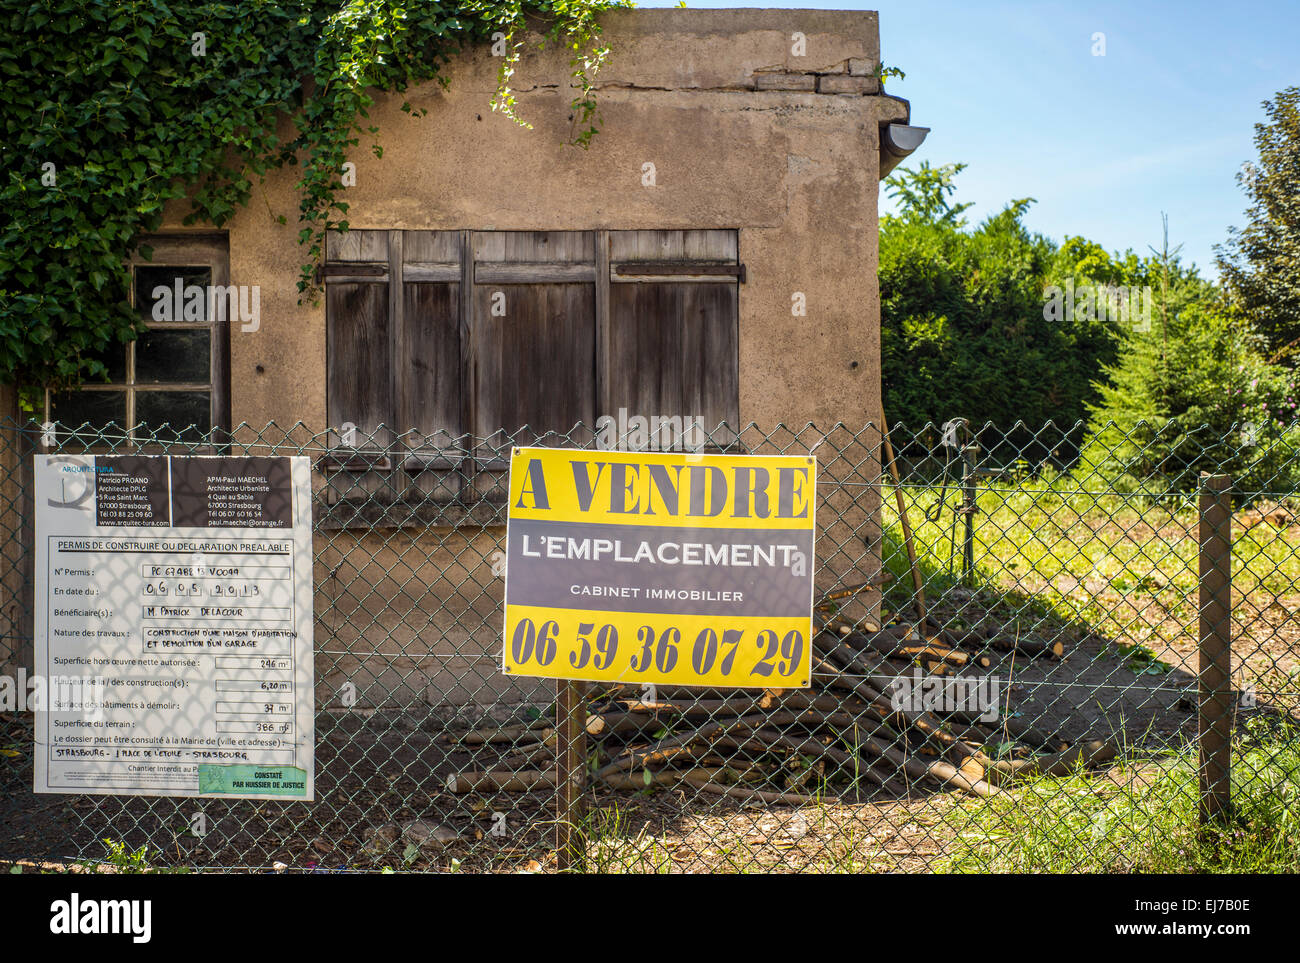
x=113 y=108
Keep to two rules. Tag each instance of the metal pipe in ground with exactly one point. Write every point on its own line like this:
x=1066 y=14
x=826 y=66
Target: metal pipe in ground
x=969 y=508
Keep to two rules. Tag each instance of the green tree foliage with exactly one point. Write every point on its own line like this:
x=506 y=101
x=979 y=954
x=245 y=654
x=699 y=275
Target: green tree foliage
x=1260 y=263
x=923 y=194
x=963 y=326
x=997 y=324
x=1204 y=397
x=113 y=109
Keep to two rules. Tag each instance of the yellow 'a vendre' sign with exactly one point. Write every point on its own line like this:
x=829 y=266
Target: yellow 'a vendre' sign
x=649 y=567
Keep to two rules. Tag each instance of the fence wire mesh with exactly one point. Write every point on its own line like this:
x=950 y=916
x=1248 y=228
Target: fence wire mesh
x=1009 y=635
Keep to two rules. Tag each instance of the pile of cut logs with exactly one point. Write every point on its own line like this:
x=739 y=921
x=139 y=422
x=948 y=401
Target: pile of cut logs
x=843 y=739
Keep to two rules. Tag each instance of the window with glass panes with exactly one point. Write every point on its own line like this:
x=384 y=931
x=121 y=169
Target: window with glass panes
x=174 y=377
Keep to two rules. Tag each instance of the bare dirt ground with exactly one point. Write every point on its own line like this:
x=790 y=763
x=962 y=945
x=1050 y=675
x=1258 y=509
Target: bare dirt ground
x=394 y=778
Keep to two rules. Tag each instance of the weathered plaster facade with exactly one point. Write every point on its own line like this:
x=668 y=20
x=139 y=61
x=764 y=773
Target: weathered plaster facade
x=762 y=121
x=740 y=138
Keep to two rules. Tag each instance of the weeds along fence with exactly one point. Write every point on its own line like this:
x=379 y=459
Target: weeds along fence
x=1034 y=649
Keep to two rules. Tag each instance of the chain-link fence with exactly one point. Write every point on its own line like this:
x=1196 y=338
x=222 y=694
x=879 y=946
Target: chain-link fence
x=1021 y=663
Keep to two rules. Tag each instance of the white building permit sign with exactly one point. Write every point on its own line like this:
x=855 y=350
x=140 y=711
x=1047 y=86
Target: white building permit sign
x=178 y=590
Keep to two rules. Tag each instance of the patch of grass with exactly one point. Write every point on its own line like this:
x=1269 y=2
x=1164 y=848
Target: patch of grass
x=848 y=851
x=1142 y=818
x=1049 y=527
x=120 y=859
x=610 y=846
x=1052 y=558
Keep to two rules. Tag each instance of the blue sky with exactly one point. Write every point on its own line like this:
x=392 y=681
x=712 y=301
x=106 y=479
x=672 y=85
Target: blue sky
x=1162 y=122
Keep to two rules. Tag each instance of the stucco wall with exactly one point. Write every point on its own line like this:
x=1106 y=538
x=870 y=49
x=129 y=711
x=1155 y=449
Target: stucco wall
x=795 y=171
x=743 y=134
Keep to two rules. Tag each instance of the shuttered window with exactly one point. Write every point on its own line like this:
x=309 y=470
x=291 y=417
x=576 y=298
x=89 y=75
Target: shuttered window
x=445 y=348
x=394 y=380
x=535 y=332
x=673 y=333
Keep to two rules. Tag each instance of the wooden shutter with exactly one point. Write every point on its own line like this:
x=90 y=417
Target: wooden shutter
x=437 y=339
x=674 y=327
x=534 y=340
x=392 y=308
x=430 y=401
x=358 y=350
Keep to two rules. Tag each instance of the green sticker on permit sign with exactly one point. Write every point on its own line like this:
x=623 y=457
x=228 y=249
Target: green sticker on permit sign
x=245 y=780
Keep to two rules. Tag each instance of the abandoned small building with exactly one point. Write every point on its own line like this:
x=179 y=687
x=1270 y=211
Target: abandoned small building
x=710 y=258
